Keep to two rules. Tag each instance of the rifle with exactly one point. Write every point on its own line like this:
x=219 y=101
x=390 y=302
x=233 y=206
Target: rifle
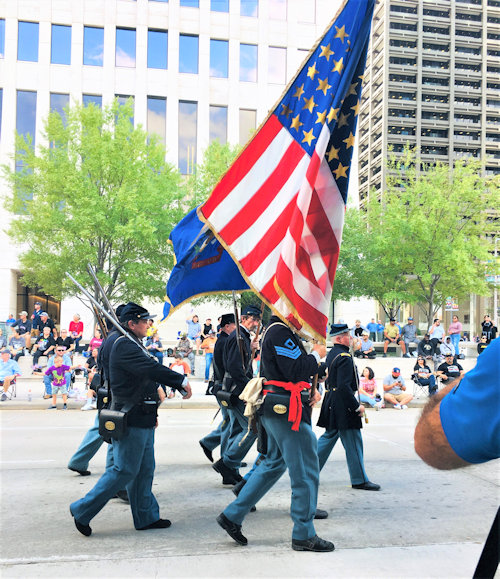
x=238 y=331
x=112 y=318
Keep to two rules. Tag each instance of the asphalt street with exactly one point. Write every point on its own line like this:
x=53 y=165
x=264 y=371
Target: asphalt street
x=423 y=523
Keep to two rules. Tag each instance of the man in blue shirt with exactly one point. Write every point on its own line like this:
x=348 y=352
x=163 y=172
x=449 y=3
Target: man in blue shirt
x=9 y=370
x=372 y=328
x=461 y=424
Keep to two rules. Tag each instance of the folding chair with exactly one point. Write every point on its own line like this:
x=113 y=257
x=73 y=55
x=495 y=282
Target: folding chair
x=11 y=391
x=418 y=387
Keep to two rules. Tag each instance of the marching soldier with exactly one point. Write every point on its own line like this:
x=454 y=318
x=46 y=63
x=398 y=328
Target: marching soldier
x=133 y=377
x=341 y=411
x=291 y=442
x=238 y=371
x=221 y=434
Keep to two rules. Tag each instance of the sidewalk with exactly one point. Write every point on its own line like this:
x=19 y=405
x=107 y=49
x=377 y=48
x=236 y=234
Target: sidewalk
x=34 y=382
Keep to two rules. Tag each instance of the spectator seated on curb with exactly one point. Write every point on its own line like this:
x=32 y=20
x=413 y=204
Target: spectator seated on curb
x=59 y=352
x=395 y=390
x=368 y=390
x=445 y=348
x=66 y=341
x=76 y=331
x=449 y=370
x=425 y=347
x=44 y=345
x=391 y=336
x=155 y=347
x=488 y=329
x=365 y=348
x=17 y=344
x=46 y=322
x=93 y=381
x=185 y=349
x=24 y=327
x=208 y=346
x=9 y=371
x=95 y=342
x=3 y=340
x=423 y=374
x=483 y=344
x=409 y=335
x=180 y=366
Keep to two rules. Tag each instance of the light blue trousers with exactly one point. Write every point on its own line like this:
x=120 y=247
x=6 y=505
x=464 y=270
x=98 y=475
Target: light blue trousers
x=353 y=445
x=89 y=446
x=133 y=469
x=296 y=451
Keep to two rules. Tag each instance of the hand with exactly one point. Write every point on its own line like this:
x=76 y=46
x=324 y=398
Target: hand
x=254 y=345
x=316 y=398
x=321 y=349
x=361 y=410
x=161 y=394
x=187 y=388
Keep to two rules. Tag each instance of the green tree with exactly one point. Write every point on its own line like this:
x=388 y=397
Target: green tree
x=424 y=241
x=216 y=161
x=99 y=192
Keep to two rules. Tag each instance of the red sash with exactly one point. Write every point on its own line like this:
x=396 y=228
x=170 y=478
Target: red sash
x=295 y=388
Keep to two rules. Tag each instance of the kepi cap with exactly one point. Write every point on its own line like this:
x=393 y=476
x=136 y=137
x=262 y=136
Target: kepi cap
x=337 y=329
x=133 y=311
x=226 y=319
x=253 y=311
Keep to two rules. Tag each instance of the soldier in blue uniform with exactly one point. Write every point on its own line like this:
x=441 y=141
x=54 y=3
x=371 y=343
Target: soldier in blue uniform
x=238 y=372
x=341 y=411
x=221 y=434
x=291 y=442
x=133 y=379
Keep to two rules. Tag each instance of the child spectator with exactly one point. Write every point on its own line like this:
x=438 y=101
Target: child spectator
x=56 y=373
x=368 y=389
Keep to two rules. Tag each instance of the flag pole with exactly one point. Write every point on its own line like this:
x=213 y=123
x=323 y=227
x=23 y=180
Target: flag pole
x=238 y=331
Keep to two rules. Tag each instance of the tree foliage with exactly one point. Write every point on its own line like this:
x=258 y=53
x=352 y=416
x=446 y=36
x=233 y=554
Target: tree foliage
x=99 y=192
x=424 y=240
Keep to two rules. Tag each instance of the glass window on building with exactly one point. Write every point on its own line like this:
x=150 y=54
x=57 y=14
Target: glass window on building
x=2 y=38
x=26 y=114
x=248 y=124
x=157 y=117
x=27 y=41
x=249 y=8
x=125 y=47
x=93 y=45
x=60 y=44
x=190 y=3
x=188 y=122
x=58 y=102
x=94 y=99
x=248 y=62
x=188 y=54
x=218 y=124
x=157 y=49
x=219 y=5
x=277 y=65
x=122 y=99
x=219 y=58
x=277 y=9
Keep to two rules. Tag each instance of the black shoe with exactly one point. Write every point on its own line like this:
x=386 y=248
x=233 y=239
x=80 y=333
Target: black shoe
x=321 y=514
x=207 y=451
x=384 y=355
x=367 y=486
x=237 y=488
x=123 y=495
x=313 y=544
x=243 y=465
x=230 y=476
x=84 y=529
x=81 y=472
x=232 y=529
x=159 y=524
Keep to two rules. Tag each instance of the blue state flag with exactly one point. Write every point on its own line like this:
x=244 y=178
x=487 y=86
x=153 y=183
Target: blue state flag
x=203 y=266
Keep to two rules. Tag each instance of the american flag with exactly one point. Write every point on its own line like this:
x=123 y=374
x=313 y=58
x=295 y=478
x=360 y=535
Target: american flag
x=279 y=210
